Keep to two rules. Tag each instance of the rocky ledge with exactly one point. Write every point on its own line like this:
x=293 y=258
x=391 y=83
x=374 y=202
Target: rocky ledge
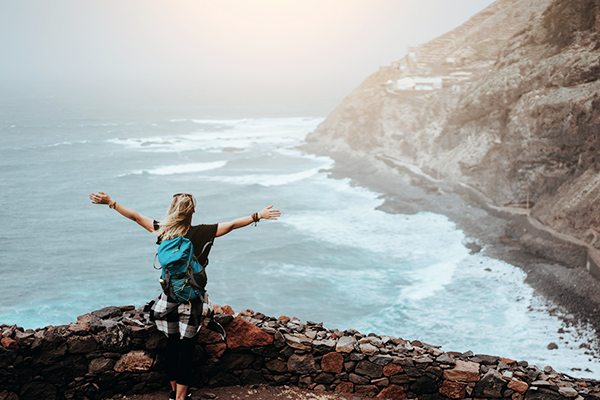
x=115 y=351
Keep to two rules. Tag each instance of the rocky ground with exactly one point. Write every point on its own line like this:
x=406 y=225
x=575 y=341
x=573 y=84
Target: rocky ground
x=254 y=392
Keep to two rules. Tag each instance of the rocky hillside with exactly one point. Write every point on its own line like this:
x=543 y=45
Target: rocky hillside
x=517 y=116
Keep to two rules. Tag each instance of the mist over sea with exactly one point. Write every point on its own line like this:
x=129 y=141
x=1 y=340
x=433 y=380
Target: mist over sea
x=332 y=257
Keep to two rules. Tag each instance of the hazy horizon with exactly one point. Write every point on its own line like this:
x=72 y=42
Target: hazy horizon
x=262 y=54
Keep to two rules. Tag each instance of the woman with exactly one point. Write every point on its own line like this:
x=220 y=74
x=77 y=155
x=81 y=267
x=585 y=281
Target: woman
x=181 y=322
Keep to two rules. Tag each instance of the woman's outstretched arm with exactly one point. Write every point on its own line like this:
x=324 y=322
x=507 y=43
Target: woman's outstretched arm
x=103 y=198
x=226 y=227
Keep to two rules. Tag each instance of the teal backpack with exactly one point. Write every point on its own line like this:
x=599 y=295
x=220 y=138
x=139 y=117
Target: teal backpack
x=183 y=278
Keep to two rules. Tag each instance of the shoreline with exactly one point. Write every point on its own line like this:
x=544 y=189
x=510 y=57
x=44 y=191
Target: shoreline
x=501 y=233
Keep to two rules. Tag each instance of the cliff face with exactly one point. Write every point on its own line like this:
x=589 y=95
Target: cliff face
x=518 y=116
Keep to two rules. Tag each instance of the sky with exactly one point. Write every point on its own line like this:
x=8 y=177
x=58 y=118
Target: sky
x=264 y=54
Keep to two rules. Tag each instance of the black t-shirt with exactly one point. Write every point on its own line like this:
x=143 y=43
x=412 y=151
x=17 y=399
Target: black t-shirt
x=202 y=238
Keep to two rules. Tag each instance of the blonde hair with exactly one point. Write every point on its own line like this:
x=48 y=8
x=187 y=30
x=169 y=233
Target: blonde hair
x=178 y=218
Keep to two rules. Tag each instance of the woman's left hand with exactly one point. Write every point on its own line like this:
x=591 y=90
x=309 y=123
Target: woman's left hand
x=268 y=213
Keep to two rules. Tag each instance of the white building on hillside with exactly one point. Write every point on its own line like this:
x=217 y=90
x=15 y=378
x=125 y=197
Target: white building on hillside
x=418 y=83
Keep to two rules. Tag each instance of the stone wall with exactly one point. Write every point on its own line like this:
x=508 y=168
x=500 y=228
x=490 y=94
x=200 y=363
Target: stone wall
x=114 y=351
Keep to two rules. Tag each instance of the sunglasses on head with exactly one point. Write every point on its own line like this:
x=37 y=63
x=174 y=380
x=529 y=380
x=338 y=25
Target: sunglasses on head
x=182 y=194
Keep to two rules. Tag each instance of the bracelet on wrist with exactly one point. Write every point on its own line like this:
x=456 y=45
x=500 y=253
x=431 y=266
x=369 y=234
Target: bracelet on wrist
x=112 y=205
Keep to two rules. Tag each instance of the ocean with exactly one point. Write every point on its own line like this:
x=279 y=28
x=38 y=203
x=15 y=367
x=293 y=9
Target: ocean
x=332 y=257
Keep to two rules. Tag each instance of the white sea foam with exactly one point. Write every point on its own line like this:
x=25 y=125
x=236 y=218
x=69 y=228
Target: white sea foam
x=266 y=180
x=68 y=143
x=181 y=168
x=239 y=133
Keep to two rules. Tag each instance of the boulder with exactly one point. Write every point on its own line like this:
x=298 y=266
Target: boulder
x=107 y=312
x=463 y=371
x=368 y=349
x=9 y=343
x=25 y=339
x=381 y=359
x=209 y=337
x=393 y=392
x=100 y=364
x=236 y=361
x=325 y=378
x=298 y=342
x=50 y=355
x=381 y=382
x=223 y=379
x=252 y=377
x=37 y=390
x=332 y=362
x=358 y=379
x=518 y=385
x=323 y=346
x=346 y=344
x=302 y=364
x=453 y=390
x=215 y=350
x=366 y=390
x=241 y=333
x=423 y=385
x=115 y=337
x=81 y=344
x=490 y=386
x=392 y=369
x=134 y=361
x=568 y=392
x=277 y=365
x=369 y=369
x=345 y=387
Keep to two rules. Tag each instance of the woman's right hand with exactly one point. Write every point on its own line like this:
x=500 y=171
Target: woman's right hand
x=100 y=198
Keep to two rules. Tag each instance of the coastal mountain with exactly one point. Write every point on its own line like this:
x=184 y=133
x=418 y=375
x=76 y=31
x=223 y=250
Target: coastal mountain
x=508 y=103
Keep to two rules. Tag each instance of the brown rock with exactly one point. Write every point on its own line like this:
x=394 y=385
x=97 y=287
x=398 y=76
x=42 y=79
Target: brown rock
x=9 y=343
x=6 y=395
x=299 y=343
x=84 y=320
x=518 y=386
x=463 y=371
x=381 y=382
x=241 y=333
x=369 y=369
x=277 y=365
x=218 y=309
x=25 y=339
x=366 y=390
x=283 y=319
x=453 y=390
x=78 y=329
x=100 y=364
x=393 y=392
x=209 y=337
x=81 y=344
x=392 y=369
x=332 y=362
x=228 y=310
x=134 y=361
x=345 y=387
x=301 y=364
x=215 y=350
x=507 y=361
